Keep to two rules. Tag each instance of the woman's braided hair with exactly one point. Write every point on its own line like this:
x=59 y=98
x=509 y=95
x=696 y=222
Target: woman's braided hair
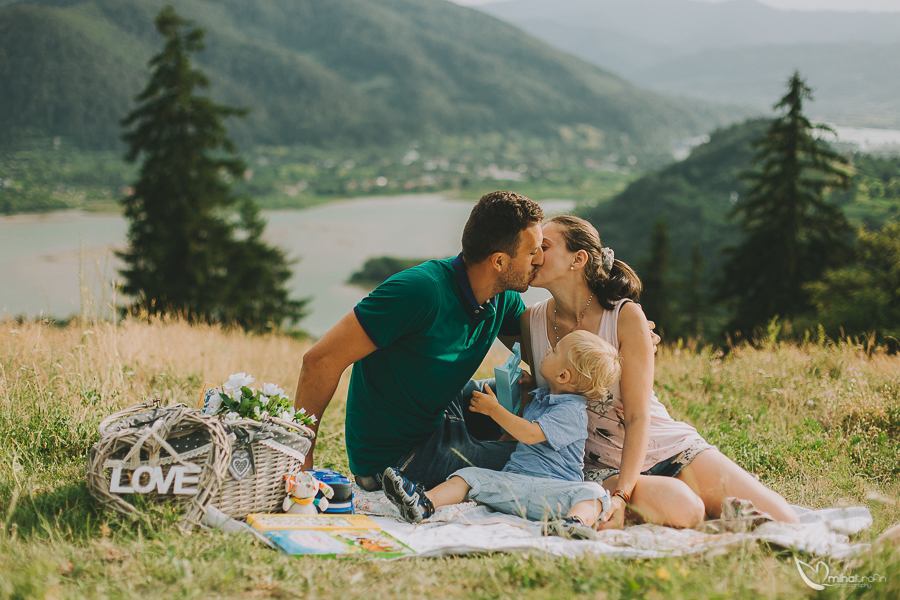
x=608 y=286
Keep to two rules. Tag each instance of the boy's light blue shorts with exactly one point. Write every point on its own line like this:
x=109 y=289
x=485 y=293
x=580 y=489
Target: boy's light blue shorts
x=528 y=496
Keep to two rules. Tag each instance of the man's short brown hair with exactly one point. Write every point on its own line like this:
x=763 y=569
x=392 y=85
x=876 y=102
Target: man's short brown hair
x=495 y=223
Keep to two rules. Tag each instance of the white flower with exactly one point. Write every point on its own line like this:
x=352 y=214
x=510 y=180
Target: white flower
x=256 y=411
x=270 y=389
x=312 y=418
x=236 y=394
x=302 y=411
x=282 y=396
x=237 y=381
x=232 y=416
x=286 y=415
x=264 y=401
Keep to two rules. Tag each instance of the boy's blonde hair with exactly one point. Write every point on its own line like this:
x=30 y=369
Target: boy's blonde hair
x=597 y=364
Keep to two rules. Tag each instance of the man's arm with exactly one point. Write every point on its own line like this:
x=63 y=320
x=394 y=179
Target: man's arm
x=323 y=365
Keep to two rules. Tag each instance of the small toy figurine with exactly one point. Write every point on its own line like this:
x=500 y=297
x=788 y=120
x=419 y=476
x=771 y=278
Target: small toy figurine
x=301 y=490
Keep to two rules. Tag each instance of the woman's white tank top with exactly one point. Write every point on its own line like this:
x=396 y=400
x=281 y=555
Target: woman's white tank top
x=606 y=418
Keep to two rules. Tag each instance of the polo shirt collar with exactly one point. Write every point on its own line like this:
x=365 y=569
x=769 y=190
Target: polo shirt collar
x=543 y=394
x=477 y=312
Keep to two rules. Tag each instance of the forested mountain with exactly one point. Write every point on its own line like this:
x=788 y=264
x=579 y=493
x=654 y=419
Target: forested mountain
x=855 y=83
x=695 y=196
x=738 y=51
x=335 y=72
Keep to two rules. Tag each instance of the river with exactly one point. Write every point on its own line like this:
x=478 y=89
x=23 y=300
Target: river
x=61 y=263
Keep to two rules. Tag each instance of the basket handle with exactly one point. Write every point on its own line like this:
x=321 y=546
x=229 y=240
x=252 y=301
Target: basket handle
x=302 y=429
x=116 y=416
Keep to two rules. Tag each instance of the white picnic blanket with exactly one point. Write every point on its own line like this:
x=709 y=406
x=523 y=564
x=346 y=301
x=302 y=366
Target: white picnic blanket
x=468 y=528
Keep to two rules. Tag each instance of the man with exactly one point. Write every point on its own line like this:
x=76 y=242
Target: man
x=414 y=344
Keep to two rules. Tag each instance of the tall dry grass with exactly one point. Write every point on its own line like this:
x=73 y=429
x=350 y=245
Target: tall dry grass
x=819 y=422
x=129 y=361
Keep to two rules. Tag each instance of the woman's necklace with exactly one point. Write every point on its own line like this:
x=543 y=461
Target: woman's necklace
x=577 y=321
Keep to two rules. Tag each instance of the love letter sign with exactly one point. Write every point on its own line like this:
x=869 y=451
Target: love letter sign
x=148 y=479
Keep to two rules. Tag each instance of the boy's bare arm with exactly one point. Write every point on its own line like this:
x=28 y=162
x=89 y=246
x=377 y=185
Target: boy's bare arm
x=524 y=431
x=323 y=365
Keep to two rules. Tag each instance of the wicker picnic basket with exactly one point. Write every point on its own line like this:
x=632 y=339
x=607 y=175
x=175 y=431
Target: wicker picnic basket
x=241 y=463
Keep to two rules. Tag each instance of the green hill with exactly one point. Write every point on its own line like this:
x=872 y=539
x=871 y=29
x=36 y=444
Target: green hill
x=325 y=73
x=696 y=195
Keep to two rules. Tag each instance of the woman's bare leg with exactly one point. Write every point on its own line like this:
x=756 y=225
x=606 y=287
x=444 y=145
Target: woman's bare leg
x=662 y=501
x=714 y=477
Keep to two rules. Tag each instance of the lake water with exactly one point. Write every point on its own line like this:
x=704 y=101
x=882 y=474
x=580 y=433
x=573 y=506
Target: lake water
x=867 y=139
x=61 y=263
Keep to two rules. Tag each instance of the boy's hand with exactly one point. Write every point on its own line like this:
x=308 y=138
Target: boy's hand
x=484 y=403
x=527 y=382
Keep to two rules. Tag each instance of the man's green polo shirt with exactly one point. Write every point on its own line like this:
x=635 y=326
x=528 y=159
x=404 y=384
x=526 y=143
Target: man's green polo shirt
x=431 y=336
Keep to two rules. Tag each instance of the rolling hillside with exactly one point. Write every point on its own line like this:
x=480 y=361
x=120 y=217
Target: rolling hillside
x=335 y=73
x=696 y=195
x=693 y=196
x=855 y=83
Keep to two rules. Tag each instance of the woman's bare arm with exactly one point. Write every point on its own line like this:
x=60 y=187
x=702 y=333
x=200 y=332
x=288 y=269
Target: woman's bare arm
x=636 y=385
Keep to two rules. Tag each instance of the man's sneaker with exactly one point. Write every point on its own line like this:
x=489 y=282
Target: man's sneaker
x=571 y=529
x=408 y=497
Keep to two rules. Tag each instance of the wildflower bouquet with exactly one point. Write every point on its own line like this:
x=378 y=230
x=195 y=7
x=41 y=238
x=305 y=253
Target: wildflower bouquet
x=241 y=401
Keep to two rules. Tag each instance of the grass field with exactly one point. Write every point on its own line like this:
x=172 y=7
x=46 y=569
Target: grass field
x=819 y=423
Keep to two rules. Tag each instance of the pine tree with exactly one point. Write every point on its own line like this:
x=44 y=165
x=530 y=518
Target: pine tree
x=657 y=296
x=791 y=233
x=189 y=251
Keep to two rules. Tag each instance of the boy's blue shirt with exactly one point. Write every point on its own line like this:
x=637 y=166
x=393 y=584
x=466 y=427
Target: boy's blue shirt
x=564 y=421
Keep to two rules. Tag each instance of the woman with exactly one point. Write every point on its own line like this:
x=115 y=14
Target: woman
x=660 y=468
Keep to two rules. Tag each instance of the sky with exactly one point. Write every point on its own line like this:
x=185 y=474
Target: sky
x=839 y=5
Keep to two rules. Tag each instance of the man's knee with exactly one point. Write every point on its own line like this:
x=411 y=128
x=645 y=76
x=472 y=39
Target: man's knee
x=369 y=484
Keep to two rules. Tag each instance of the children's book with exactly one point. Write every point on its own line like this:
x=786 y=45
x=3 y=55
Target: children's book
x=338 y=543
x=328 y=536
x=324 y=521
x=373 y=544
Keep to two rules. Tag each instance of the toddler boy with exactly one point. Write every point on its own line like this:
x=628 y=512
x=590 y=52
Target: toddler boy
x=543 y=479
